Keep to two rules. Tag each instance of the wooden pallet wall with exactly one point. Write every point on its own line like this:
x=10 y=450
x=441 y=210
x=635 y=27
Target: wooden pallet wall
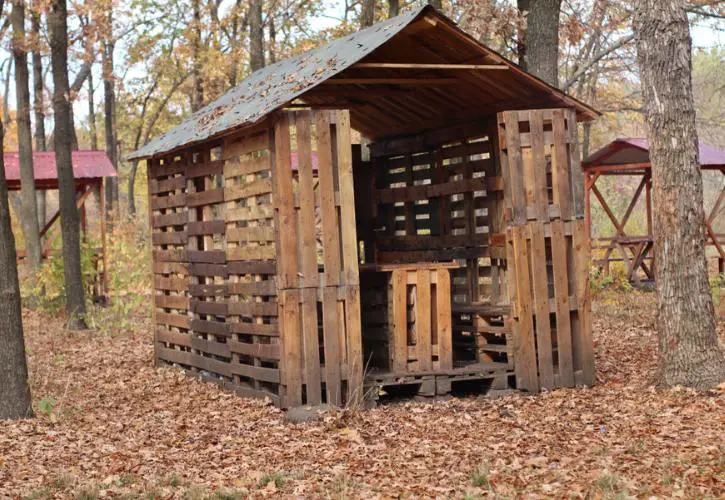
x=547 y=248
x=215 y=264
x=432 y=198
x=317 y=280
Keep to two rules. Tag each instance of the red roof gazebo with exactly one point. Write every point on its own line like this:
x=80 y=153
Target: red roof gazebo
x=630 y=156
x=89 y=170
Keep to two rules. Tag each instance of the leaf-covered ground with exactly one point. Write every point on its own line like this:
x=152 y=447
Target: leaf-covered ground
x=109 y=425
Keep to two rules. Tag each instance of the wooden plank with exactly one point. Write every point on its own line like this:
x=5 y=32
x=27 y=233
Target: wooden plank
x=253 y=308
x=213 y=327
x=255 y=372
x=311 y=347
x=347 y=199
x=254 y=349
x=423 y=320
x=249 y=252
x=286 y=222
x=208 y=169
x=171 y=283
x=209 y=256
x=515 y=168
x=292 y=346
x=418 y=66
x=250 y=234
x=204 y=228
x=443 y=319
x=262 y=329
x=561 y=185
x=246 y=167
x=253 y=213
x=541 y=196
x=416 y=193
x=194 y=360
x=540 y=281
x=263 y=288
x=525 y=343
x=173 y=219
x=170 y=201
x=586 y=343
x=245 y=145
x=208 y=307
x=355 y=361
x=561 y=296
x=207 y=290
x=308 y=239
x=399 y=323
x=171 y=268
x=208 y=197
x=171 y=301
x=330 y=331
x=170 y=319
x=167 y=185
x=575 y=170
x=330 y=226
x=255 y=188
x=253 y=267
x=169 y=238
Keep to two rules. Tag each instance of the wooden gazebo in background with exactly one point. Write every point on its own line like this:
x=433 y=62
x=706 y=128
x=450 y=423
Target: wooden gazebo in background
x=630 y=157
x=457 y=252
x=89 y=170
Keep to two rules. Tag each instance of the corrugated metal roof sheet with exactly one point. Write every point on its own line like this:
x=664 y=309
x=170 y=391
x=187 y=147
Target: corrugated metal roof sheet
x=273 y=86
x=629 y=150
x=86 y=165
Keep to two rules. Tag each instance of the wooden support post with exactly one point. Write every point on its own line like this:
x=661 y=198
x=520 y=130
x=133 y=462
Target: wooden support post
x=104 y=247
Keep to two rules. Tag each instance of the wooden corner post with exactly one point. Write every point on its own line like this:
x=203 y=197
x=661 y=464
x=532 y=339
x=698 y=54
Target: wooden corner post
x=547 y=248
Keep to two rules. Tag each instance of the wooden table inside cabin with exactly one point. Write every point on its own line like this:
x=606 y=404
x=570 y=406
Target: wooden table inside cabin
x=433 y=330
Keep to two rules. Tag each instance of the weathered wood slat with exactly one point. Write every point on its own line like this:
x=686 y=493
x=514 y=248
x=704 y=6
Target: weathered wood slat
x=328 y=210
x=255 y=188
x=525 y=348
x=443 y=319
x=209 y=256
x=194 y=360
x=292 y=345
x=540 y=298
x=205 y=228
x=253 y=308
x=207 y=169
x=171 y=301
x=246 y=167
x=170 y=201
x=559 y=252
x=167 y=220
x=255 y=349
x=205 y=197
x=213 y=327
x=249 y=252
x=169 y=238
x=414 y=193
x=423 y=320
x=252 y=267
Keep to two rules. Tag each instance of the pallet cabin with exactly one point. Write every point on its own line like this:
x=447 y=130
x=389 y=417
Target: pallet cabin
x=294 y=263
x=90 y=168
x=629 y=157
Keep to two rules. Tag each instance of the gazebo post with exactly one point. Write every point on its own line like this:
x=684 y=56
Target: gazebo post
x=104 y=250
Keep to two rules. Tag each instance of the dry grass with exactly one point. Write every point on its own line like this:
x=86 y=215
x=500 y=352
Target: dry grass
x=119 y=427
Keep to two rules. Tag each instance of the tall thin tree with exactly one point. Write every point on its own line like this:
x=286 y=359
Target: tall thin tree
x=109 y=110
x=367 y=13
x=29 y=203
x=69 y=219
x=14 y=388
x=38 y=99
x=689 y=353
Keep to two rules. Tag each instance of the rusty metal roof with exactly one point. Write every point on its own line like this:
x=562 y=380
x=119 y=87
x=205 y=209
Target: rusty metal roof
x=628 y=151
x=86 y=165
x=273 y=86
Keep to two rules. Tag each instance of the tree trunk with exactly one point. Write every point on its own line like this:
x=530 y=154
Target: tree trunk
x=38 y=105
x=272 y=40
x=14 y=388
x=689 y=353
x=109 y=109
x=197 y=97
x=367 y=13
x=256 y=36
x=393 y=8
x=438 y=4
x=92 y=114
x=539 y=42
x=75 y=298
x=29 y=216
